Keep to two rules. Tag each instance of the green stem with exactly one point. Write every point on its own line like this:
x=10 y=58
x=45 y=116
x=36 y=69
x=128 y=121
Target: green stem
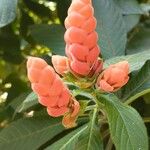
x=135 y=97
x=129 y=101
x=91 y=107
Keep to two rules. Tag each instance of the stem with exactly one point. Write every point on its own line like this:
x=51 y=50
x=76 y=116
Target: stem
x=129 y=101
x=134 y=98
x=109 y=144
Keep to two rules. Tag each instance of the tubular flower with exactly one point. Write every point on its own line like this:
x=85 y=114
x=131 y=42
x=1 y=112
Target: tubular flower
x=114 y=77
x=49 y=87
x=61 y=64
x=69 y=119
x=81 y=39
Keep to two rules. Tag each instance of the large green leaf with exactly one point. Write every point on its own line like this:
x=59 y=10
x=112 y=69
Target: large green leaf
x=30 y=101
x=140 y=41
x=129 y=6
x=32 y=133
x=29 y=133
x=7 y=11
x=131 y=11
x=69 y=141
x=136 y=61
x=16 y=102
x=138 y=85
x=51 y=36
x=126 y=126
x=110 y=27
x=131 y=21
x=86 y=137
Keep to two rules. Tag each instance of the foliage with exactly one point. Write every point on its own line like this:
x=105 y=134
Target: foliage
x=36 y=27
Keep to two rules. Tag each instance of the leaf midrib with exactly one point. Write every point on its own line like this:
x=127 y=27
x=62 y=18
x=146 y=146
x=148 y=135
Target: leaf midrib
x=72 y=138
x=91 y=128
x=120 y=114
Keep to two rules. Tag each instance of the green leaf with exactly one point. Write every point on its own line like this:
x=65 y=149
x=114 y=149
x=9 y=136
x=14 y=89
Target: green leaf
x=140 y=41
x=126 y=126
x=131 y=11
x=138 y=84
x=131 y=21
x=129 y=7
x=136 y=61
x=69 y=141
x=145 y=7
x=91 y=138
x=7 y=11
x=29 y=133
x=51 y=36
x=86 y=137
x=111 y=28
x=16 y=102
x=30 y=101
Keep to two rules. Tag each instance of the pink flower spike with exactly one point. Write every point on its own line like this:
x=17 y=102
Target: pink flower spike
x=49 y=87
x=81 y=39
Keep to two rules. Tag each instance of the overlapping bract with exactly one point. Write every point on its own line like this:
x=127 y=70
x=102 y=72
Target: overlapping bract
x=51 y=90
x=114 y=77
x=81 y=39
x=61 y=64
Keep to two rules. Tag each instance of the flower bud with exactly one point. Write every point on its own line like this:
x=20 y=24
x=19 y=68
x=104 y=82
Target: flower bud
x=114 y=77
x=60 y=64
x=69 y=119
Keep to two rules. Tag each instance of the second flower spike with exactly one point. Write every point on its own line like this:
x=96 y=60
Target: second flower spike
x=81 y=39
x=51 y=90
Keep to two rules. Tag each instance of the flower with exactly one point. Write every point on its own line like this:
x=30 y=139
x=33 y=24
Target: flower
x=61 y=64
x=81 y=39
x=69 y=119
x=49 y=87
x=114 y=77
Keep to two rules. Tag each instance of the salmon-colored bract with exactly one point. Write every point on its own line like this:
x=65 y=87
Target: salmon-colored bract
x=114 y=77
x=49 y=87
x=81 y=39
